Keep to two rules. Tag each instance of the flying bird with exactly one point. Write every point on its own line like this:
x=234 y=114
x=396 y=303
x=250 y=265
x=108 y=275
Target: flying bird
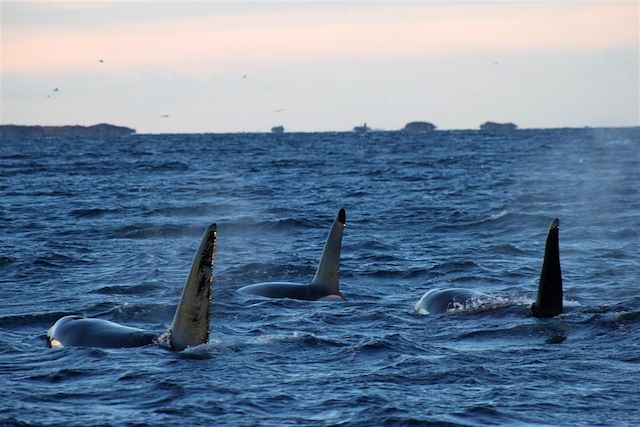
x=164 y=116
x=279 y=110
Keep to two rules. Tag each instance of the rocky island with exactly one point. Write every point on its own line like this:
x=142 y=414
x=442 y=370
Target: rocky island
x=493 y=127
x=419 y=127
x=100 y=130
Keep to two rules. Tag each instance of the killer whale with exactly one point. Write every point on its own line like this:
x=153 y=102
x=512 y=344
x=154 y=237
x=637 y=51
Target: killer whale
x=548 y=300
x=325 y=283
x=190 y=325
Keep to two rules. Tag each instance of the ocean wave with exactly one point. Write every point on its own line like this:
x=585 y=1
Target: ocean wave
x=623 y=234
x=151 y=231
x=188 y=211
x=286 y=224
x=92 y=212
x=256 y=272
x=31 y=319
x=523 y=331
x=483 y=414
x=616 y=320
x=167 y=166
x=384 y=343
x=297 y=337
x=501 y=218
x=6 y=260
x=143 y=313
x=613 y=316
x=414 y=273
x=63 y=375
x=507 y=249
x=59 y=260
x=382 y=273
x=141 y=289
x=454 y=267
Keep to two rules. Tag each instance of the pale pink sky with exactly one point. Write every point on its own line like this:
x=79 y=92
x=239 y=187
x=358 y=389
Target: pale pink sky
x=330 y=65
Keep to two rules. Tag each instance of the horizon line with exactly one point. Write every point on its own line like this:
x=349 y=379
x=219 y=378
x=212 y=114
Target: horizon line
x=369 y=130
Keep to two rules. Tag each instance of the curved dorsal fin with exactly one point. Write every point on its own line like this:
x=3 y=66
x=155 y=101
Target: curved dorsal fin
x=549 y=300
x=190 y=326
x=327 y=277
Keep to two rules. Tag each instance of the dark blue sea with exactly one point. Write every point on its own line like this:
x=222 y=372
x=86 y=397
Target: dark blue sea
x=108 y=227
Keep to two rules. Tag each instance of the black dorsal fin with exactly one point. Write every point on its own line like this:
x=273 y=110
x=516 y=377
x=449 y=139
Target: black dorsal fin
x=549 y=300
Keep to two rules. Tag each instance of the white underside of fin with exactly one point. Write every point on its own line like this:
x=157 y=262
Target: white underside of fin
x=190 y=326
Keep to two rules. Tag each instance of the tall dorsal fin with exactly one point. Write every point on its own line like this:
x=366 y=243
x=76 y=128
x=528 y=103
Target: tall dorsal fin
x=549 y=300
x=327 y=277
x=190 y=326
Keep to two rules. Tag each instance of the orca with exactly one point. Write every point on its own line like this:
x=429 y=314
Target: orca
x=190 y=325
x=548 y=301
x=325 y=283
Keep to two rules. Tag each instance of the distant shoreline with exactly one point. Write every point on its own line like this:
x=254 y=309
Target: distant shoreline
x=377 y=131
x=37 y=131
x=108 y=130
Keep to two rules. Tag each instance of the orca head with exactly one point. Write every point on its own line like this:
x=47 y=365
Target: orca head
x=53 y=336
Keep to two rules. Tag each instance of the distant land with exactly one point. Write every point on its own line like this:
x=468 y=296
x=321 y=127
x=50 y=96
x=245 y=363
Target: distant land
x=108 y=130
x=102 y=129
x=493 y=127
x=419 y=127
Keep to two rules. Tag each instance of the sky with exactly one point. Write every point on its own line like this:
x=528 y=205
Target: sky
x=237 y=66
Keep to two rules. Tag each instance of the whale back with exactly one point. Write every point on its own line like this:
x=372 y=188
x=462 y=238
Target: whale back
x=279 y=290
x=190 y=326
x=549 y=299
x=87 y=332
x=327 y=277
x=437 y=301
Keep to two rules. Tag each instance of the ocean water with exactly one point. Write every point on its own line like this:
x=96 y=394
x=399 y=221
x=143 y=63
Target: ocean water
x=108 y=228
